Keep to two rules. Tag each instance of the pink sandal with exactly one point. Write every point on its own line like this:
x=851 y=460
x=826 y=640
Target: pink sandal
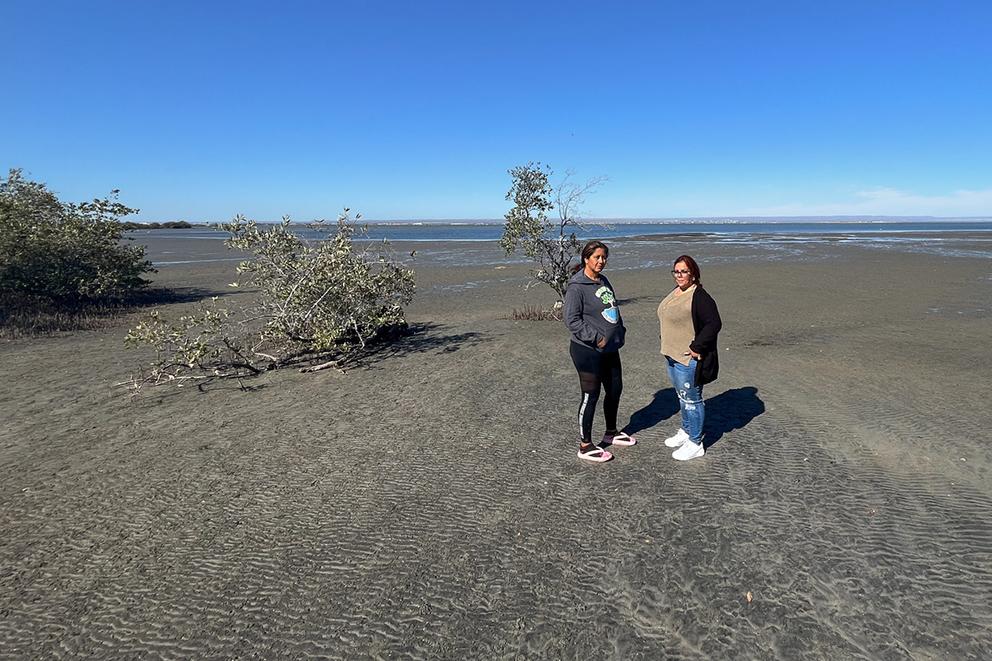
x=595 y=454
x=623 y=439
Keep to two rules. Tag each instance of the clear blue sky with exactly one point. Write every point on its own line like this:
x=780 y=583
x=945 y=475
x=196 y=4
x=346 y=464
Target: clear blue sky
x=201 y=110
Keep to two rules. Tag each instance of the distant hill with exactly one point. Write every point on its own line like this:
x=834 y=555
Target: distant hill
x=170 y=225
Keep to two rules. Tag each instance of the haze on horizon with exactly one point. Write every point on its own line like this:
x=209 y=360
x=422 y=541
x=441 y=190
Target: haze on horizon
x=199 y=111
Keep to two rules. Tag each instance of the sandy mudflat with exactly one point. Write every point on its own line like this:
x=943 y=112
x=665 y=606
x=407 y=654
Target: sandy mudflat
x=430 y=504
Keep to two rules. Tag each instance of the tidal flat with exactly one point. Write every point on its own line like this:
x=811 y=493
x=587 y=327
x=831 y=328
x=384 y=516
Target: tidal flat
x=429 y=504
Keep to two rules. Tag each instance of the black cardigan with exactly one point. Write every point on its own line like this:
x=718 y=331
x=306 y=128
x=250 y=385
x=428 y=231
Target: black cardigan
x=706 y=325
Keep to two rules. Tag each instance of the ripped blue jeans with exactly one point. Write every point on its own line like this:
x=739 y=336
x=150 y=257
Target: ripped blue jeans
x=690 y=397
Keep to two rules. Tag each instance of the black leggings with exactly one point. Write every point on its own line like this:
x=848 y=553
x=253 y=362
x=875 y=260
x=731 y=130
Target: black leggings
x=597 y=369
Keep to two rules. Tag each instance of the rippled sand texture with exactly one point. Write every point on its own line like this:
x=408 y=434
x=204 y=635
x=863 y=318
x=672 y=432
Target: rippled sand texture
x=430 y=505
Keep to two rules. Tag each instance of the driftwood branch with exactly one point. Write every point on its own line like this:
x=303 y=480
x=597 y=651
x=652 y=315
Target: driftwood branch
x=323 y=366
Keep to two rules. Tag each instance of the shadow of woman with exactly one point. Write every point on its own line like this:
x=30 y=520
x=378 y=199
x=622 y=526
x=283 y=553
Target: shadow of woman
x=730 y=410
x=664 y=405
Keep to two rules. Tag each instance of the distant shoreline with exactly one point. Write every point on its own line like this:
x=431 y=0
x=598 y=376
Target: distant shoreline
x=702 y=220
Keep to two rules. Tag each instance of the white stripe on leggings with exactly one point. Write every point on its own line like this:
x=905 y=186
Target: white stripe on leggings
x=582 y=413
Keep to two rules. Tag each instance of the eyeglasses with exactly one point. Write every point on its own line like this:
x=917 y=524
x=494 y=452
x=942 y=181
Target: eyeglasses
x=679 y=272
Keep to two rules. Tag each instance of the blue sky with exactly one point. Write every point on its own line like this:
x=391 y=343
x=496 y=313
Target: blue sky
x=201 y=110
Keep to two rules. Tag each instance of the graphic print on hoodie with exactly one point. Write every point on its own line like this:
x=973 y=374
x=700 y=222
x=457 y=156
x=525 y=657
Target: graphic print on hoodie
x=611 y=314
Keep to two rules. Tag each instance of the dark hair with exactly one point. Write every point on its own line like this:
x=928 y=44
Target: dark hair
x=587 y=251
x=691 y=263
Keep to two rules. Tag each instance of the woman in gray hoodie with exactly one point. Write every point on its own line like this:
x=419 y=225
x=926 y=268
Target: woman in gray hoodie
x=592 y=315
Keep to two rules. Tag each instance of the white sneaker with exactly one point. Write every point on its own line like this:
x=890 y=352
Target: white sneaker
x=689 y=450
x=677 y=440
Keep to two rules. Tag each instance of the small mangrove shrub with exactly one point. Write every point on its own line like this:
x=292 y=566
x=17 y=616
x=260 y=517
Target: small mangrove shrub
x=309 y=301
x=528 y=227
x=55 y=254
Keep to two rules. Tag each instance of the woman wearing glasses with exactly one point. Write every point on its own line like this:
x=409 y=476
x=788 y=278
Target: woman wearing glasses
x=690 y=323
x=592 y=315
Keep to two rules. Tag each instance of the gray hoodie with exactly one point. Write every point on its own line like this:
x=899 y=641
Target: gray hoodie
x=591 y=313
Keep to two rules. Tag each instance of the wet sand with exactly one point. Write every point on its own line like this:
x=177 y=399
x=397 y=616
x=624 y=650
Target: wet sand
x=429 y=504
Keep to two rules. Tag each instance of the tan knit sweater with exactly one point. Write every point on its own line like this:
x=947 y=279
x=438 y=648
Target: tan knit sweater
x=675 y=320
